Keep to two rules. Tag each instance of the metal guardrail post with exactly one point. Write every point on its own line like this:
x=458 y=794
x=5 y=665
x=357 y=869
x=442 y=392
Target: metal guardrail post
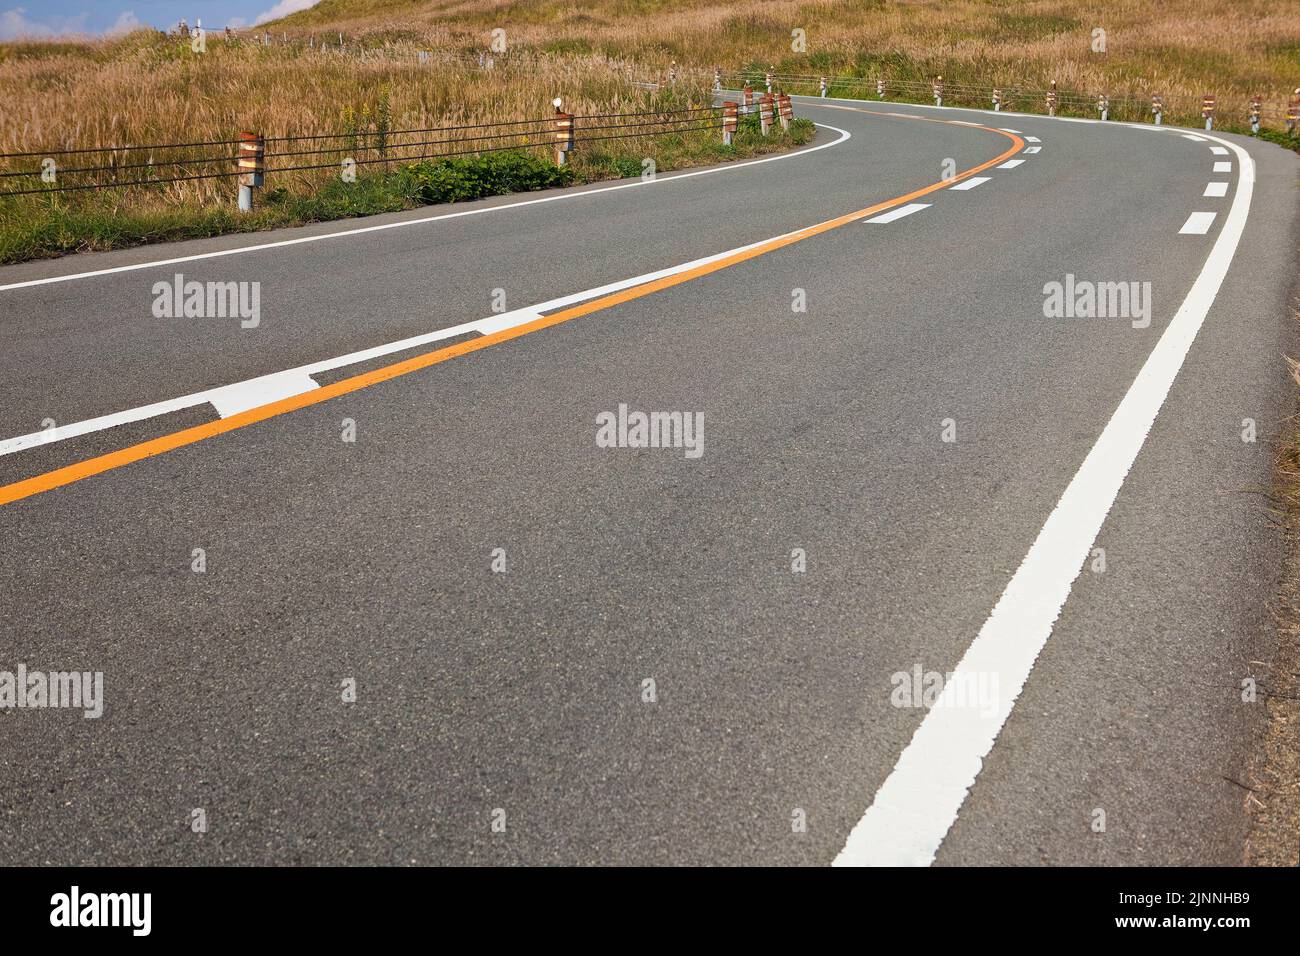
x=252 y=166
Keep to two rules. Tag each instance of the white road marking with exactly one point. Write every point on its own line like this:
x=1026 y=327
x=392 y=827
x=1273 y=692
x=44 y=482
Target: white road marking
x=1032 y=149
x=970 y=183
x=1224 y=167
x=903 y=115
x=1199 y=139
x=667 y=178
x=260 y=391
x=1007 y=129
x=1197 y=224
x=235 y=397
x=1011 y=164
x=1218 y=151
x=965 y=123
x=919 y=801
x=1032 y=139
x=900 y=212
x=1215 y=189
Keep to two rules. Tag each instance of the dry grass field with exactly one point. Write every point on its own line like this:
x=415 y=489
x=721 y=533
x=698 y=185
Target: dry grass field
x=147 y=88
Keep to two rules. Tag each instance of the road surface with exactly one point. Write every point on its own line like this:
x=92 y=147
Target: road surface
x=915 y=470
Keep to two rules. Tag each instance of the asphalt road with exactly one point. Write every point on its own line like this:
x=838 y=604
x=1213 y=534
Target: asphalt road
x=485 y=696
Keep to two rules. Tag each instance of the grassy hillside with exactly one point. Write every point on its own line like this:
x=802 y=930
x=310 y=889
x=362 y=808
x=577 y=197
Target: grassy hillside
x=1180 y=48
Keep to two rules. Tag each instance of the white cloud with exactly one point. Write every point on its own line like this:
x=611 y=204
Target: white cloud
x=125 y=23
x=15 y=25
x=284 y=8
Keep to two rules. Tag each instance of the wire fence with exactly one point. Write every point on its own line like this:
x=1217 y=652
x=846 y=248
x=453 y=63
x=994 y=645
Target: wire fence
x=37 y=172
x=1275 y=109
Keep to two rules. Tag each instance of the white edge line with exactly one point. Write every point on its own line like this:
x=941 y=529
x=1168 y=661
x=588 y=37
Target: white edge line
x=226 y=396
x=279 y=244
x=918 y=803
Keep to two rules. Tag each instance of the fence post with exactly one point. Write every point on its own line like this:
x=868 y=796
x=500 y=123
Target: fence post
x=729 y=110
x=823 y=89
x=1207 y=110
x=997 y=100
x=672 y=73
x=1103 y=106
x=1256 y=107
x=717 y=81
x=765 y=113
x=784 y=110
x=938 y=91
x=251 y=165
x=1157 y=108
x=747 y=99
x=1293 y=112
x=767 y=79
x=880 y=89
x=1052 y=100
x=563 y=133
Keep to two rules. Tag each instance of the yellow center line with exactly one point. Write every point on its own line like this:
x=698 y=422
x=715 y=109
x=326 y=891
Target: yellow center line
x=59 y=477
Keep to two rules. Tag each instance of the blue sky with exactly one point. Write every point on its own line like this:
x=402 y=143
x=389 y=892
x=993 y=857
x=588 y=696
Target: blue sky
x=55 y=17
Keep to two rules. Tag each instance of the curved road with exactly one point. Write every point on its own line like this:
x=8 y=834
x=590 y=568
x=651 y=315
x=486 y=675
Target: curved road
x=901 y=468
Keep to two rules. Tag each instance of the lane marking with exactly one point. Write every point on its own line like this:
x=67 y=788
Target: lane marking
x=1197 y=224
x=1192 y=136
x=1215 y=189
x=1032 y=149
x=1225 y=167
x=60 y=477
x=972 y=182
x=423 y=220
x=896 y=214
x=1218 y=151
x=964 y=123
x=1011 y=164
x=261 y=391
x=1007 y=129
x=919 y=801
x=1032 y=139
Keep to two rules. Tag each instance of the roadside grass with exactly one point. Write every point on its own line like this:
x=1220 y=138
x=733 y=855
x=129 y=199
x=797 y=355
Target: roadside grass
x=1181 y=49
x=1273 y=772
x=50 y=225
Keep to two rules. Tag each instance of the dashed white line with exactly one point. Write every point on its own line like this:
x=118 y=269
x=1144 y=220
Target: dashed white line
x=1011 y=164
x=1032 y=149
x=1007 y=129
x=1216 y=189
x=1197 y=224
x=1199 y=139
x=918 y=803
x=900 y=212
x=1218 y=151
x=1032 y=139
x=1224 y=167
x=971 y=183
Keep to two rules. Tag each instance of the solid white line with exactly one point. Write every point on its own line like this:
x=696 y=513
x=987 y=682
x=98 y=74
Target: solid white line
x=919 y=801
x=900 y=212
x=228 y=399
x=1224 y=167
x=844 y=135
x=1218 y=151
x=1197 y=224
x=970 y=183
x=1032 y=149
x=1011 y=164
x=261 y=391
x=1191 y=136
x=1215 y=189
